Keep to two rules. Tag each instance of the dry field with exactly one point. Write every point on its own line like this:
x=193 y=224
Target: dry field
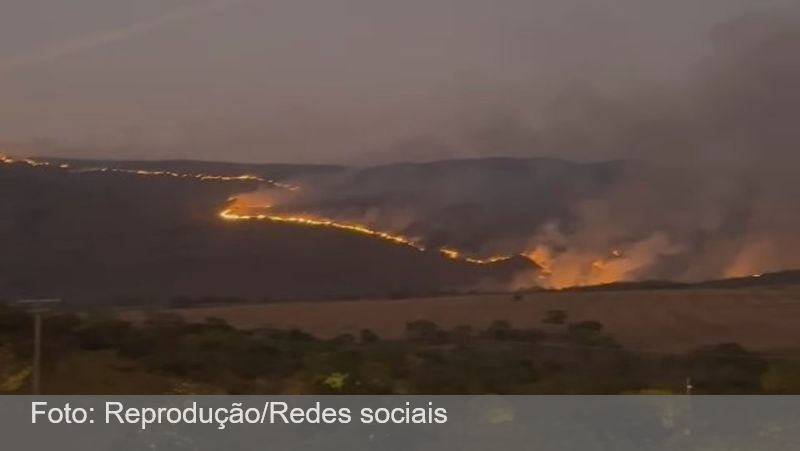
x=659 y=320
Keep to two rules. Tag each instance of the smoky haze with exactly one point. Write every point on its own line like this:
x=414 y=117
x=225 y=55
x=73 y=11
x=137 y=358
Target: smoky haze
x=712 y=188
x=709 y=188
x=700 y=99
x=344 y=81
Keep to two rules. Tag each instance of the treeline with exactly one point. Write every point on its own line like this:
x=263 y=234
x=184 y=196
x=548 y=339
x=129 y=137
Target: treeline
x=105 y=355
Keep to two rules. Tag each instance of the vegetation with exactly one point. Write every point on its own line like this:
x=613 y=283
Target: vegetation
x=164 y=354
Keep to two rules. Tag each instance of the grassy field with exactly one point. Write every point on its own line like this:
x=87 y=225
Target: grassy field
x=658 y=320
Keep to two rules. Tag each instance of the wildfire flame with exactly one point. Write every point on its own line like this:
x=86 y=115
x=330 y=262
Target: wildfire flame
x=571 y=269
x=236 y=214
x=231 y=215
x=450 y=253
x=151 y=173
x=5 y=159
x=455 y=254
x=556 y=270
x=489 y=260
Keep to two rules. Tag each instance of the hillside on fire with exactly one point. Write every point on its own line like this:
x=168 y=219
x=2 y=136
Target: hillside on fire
x=98 y=230
x=84 y=231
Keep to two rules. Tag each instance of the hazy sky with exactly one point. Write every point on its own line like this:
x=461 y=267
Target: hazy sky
x=323 y=80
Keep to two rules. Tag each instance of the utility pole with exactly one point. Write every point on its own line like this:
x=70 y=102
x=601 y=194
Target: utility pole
x=37 y=307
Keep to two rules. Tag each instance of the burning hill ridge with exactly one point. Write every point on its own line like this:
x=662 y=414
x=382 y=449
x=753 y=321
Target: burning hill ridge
x=103 y=237
x=8 y=160
x=239 y=213
x=706 y=187
x=364 y=201
x=597 y=271
x=239 y=210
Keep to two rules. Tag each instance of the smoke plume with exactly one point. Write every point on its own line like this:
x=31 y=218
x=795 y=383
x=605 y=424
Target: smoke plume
x=707 y=187
x=712 y=190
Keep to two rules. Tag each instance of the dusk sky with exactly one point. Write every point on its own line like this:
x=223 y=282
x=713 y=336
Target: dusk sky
x=325 y=80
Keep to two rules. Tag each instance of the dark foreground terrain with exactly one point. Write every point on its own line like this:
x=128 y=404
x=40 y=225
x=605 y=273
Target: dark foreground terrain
x=99 y=354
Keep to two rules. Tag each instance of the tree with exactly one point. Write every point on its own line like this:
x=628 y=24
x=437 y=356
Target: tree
x=367 y=336
x=726 y=368
x=424 y=331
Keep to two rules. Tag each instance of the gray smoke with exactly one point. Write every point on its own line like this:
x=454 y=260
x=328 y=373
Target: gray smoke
x=710 y=188
x=714 y=190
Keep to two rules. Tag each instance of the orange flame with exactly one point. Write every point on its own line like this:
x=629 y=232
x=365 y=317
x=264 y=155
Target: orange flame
x=570 y=269
x=556 y=270
x=150 y=173
x=235 y=214
x=231 y=215
x=5 y=159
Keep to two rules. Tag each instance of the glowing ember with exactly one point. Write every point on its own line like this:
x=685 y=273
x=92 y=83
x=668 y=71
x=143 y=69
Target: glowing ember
x=450 y=253
x=457 y=255
x=571 y=268
x=231 y=214
x=199 y=176
x=5 y=159
x=149 y=173
x=559 y=269
x=489 y=260
x=142 y=172
x=598 y=265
